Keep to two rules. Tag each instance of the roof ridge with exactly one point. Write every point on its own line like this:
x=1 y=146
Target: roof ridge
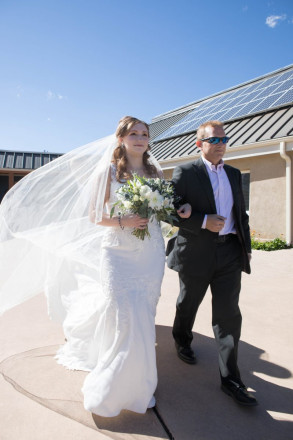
x=28 y=152
x=194 y=104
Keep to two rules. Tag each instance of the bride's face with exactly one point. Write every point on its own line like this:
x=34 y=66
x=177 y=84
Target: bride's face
x=137 y=139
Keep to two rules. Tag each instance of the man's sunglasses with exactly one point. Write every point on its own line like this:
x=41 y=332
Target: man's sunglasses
x=216 y=140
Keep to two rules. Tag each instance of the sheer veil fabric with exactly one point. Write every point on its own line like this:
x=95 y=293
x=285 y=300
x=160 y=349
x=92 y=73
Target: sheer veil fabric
x=102 y=283
x=45 y=231
x=46 y=235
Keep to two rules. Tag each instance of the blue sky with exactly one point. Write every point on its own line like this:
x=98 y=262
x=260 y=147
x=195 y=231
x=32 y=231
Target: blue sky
x=70 y=69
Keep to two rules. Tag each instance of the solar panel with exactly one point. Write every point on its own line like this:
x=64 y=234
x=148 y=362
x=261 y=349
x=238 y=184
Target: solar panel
x=284 y=76
x=267 y=82
x=268 y=91
x=247 y=108
x=231 y=112
x=264 y=94
x=267 y=102
x=285 y=85
x=286 y=97
x=249 y=97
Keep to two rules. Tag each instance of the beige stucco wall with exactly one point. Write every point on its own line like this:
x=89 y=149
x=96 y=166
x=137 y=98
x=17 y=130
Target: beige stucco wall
x=267 y=210
x=168 y=174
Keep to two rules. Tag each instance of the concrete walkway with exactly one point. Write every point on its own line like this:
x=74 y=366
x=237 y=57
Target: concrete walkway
x=41 y=400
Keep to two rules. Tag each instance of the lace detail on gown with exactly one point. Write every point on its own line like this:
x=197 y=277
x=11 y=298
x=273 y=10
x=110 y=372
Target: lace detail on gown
x=110 y=327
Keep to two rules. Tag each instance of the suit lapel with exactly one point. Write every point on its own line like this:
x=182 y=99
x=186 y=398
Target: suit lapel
x=202 y=174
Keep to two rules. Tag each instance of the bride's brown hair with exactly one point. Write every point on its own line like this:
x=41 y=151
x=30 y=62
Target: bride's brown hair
x=119 y=156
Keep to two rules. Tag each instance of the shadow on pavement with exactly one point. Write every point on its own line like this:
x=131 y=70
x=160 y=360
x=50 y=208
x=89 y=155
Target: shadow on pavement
x=189 y=398
x=194 y=407
x=36 y=374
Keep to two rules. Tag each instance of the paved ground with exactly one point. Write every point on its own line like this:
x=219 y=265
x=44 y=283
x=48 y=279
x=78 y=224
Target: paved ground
x=41 y=400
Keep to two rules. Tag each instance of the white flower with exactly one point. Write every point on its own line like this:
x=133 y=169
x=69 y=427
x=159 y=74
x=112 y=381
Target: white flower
x=167 y=203
x=127 y=204
x=135 y=198
x=145 y=191
x=156 y=200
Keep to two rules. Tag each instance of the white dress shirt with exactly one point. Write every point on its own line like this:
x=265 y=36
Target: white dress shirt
x=222 y=194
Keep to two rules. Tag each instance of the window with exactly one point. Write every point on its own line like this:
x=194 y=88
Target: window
x=17 y=178
x=8 y=180
x=4 y=185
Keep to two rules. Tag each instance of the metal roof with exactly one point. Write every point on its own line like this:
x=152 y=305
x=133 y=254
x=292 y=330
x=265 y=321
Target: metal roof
x=271 y=125
x=25 y=160
x=158 y=127
x=194 y=104
x=246 y=129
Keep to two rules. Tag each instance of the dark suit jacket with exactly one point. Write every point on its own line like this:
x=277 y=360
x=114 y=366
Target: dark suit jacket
x=192 y=250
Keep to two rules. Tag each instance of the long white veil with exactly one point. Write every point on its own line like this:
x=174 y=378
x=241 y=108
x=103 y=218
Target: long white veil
x=46 y=237
x=45 y=232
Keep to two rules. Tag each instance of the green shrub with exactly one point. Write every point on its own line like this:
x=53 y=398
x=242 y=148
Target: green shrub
x=271 y=245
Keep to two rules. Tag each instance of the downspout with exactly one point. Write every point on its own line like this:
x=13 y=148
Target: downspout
x=285 y=156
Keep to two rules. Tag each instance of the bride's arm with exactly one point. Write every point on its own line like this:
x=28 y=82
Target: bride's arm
x=94 y=197
x=128 y=220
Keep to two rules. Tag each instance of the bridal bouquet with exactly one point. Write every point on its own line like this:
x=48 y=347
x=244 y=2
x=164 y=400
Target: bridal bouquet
x=146 y=197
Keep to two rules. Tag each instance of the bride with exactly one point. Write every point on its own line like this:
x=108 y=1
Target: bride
x=100 y=281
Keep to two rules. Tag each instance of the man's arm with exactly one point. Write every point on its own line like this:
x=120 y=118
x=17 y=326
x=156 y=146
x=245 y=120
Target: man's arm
x=192 y=224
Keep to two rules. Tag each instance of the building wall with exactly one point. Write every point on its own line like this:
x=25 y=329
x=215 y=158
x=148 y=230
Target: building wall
x=267 y=209
x=168 y=174
x=8 y=178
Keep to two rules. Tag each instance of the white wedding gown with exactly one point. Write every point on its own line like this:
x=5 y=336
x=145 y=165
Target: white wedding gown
x=110 y=326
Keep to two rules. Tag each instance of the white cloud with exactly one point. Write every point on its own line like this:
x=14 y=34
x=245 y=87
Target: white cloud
x=52 y=95
x=272 y=20
x=19 y=92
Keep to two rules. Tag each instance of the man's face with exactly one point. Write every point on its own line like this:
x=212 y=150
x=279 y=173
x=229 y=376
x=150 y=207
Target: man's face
x=213 y=152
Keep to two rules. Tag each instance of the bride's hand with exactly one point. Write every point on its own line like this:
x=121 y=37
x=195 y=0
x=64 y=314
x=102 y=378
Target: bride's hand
x=184 y=211
x=134 y=221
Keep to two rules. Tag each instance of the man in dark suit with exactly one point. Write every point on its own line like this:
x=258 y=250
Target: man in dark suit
x=211 y=248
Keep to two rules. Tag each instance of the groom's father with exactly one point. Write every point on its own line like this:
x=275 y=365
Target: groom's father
x=211 y=249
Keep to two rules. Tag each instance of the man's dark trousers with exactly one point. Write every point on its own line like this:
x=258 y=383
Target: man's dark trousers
x=224 y=279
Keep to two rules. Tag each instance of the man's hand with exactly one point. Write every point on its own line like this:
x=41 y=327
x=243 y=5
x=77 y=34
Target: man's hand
x=215 y=222
x=184 y=211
